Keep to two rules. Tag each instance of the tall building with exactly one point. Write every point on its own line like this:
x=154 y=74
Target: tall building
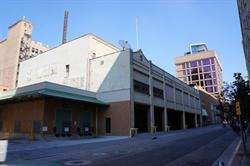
x=17 y=47
x=244 y=13
x=200 y=67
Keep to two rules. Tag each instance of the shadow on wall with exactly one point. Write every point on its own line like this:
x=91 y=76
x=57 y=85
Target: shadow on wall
x=118 y=77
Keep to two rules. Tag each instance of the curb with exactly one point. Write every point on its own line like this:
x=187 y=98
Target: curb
x=229 y=153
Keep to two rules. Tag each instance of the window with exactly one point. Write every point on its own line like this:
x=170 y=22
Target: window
x=206 y=68
x=4 y=90
x=194 y=71
x=212 y=60
x=194 y=77
x=205 y=61
x=207 y=75
x=141 y=87
x=158 y=92
x=101 y=62
x=36 y=51
x=208 y=82
x=215 y=82
x=17 y=127
x=209 y=89
x=33 y=50
x=108 y=125
x=67 y=70
x=193 y=64
x=213 y=67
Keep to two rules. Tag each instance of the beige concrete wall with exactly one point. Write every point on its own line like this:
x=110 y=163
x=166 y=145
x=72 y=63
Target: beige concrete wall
x=17 y=45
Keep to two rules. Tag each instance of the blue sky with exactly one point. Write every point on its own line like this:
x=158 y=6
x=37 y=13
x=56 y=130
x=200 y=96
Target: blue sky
x=166 y=27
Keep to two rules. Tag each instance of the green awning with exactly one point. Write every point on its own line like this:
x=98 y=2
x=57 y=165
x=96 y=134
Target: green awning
x=65 y=95
x=204 y=112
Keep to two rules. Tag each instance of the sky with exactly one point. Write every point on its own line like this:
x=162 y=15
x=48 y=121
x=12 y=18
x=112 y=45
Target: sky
x=166 y=28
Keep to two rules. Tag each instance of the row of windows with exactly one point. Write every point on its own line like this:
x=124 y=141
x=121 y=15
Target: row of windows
x=203 y=62
x=144 y=88
x=36 y=51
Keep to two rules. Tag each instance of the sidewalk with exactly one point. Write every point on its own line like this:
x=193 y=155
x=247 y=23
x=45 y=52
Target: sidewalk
x=240 y=159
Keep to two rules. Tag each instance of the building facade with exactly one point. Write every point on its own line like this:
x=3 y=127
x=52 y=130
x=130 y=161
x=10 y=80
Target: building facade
x=116 y=90
x=201 y=68
x=244 y=14
x=209 y=104
x=17 y=47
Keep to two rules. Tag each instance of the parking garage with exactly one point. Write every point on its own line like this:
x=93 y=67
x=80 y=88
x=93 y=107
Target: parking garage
x=174 y=119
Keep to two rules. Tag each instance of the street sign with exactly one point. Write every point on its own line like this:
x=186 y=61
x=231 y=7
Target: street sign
x=237 y=104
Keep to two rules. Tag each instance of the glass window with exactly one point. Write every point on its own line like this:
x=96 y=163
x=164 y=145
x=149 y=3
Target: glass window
x=188 y=71
x=209 y=89
x=212 y=60
x=200 y=69
x=214 y=74
x=194 y=71
x=213 y=67
x=207 y=75
x=201 y=76
x=199 y=62
x=201 y=83
x=206 y=68
x=194 y=77
x=187 y=64
x=193 y=64
x=215 y=82
x=205 y=61
x=208 y=82
x=215 y=89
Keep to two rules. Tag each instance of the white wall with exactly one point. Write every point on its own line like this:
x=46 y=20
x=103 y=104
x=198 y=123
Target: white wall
x=51 y=65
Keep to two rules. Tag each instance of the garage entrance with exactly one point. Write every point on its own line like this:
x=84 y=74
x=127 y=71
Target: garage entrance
x=63 y=122
x=190 y=121
x=141 y=117
x=159 y=118
x=174 y=119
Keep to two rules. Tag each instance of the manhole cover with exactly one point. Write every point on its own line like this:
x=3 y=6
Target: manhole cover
x=77 y=162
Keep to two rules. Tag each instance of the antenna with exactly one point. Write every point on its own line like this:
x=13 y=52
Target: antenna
x=65 y=27
x=136 y=29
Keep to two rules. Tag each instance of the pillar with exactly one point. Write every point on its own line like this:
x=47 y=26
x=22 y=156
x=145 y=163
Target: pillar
x=151 y=93
x=183 y=120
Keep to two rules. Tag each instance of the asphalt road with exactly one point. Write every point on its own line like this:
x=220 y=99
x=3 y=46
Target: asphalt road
x=194 y=147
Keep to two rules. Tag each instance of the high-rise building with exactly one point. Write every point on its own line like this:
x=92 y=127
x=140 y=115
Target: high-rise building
x=244 y=13
x=17 y=47
x=200 y=67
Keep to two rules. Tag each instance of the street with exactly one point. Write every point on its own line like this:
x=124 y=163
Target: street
x=201 y=146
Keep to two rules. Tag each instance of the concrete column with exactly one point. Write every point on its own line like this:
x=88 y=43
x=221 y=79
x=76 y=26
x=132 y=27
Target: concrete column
x=151 y=93
x=195 y=121
x=183 y=120
x=96 y=121
x=165 y=113
x=132 y=111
